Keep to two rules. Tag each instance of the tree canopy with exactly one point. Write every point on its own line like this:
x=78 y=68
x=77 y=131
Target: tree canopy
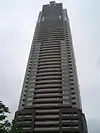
x=5 y=125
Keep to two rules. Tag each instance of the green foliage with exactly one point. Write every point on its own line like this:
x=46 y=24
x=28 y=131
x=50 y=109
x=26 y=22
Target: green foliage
x=4 y=123
x=16 y=128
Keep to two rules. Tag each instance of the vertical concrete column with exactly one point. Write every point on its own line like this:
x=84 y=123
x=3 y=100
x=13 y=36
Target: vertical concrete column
x=65 y=79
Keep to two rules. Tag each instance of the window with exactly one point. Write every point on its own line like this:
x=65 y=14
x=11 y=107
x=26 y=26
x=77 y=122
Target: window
x=27 y=78
x=76 y=127
x=31 y=89
x=69 y=61
x=72 y=83
x=66 y=101
x=69 y=58
x=24 y=95
x=25 y=90
x=29 y=98
x=68 y=47
x=30 y=94
x=69 y=55
x=42 y=18
x=22 y=104
x=27 y=116
x=26 y=86
x=75 y=114
x=28 y=103
x=70 y=65
x=70 y=68
x=30 y=61
x=66 y=97
x=29 y=68
x=73 y=93
x=67 y=42
x=71 y=79
x=73 y=103
x=65 y=116
x=65 y=92
x=29 y=71
x=26 y=82
x=26 y=128
x=72 y=87
x=27 y=75
x=68 y=50
x=73 y=98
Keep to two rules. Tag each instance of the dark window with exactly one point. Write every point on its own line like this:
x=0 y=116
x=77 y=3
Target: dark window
x=29 y=67
x=70 y=68
x=70 y=64
x=26 y=82
x=71 y=79
x=27 y=78
x=73 y=93
x=69 y=55
x=24 y=95
x=26 y=86
x=22 y=104
x=73 y=98
x=69 y=60
x=71 y=83
x=73 y=103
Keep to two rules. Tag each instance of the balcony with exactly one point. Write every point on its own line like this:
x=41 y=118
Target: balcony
x=46 y=129
x=50 y=48
x=50 y=51
x=55 y=45
x=55 y=65
x=49 y=62
x=44 y=82
x=47 y=123
x=49 y=74
x=48 y=78
x=49 y=54
x=47 y=116
x=47 y=105
x=47 y=100
x=48 y=111
x=45 y=86
x=47 y=95
x=52 y=90
x=50 y=59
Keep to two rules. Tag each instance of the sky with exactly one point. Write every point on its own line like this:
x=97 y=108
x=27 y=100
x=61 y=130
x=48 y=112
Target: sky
x=17 y=23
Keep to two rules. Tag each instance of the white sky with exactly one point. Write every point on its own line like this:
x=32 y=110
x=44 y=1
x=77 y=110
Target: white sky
x=17 y=22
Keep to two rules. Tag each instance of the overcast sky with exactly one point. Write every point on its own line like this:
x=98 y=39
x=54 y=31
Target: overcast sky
x=17 y=22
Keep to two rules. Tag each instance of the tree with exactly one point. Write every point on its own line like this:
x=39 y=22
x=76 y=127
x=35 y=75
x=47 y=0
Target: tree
x=15 y=128
x=4 y=123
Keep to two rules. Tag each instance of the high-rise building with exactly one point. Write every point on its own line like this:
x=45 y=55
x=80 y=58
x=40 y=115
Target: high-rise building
x=50 y=98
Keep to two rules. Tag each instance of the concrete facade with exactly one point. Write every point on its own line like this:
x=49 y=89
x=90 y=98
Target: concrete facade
x=50 y=93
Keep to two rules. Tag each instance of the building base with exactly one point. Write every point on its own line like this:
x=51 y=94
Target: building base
x=58 y=120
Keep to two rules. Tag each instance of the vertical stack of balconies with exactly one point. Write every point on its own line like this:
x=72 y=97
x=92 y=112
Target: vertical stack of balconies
x=48 y=85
